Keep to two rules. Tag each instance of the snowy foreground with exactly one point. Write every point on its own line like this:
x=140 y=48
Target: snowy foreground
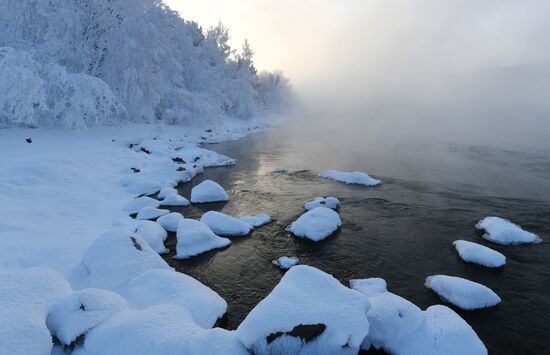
x=79 y=275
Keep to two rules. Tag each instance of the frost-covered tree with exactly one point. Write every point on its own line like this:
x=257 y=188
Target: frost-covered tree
x=98 y=61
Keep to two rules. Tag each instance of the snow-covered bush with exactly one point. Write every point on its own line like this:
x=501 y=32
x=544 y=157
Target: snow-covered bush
x=100 y=61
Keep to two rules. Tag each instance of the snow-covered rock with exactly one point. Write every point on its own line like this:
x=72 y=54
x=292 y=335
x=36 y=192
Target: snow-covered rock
x=316 y=224
x=208 y=191
x=153 y=146
x=479 y=254
x=162 y=329
x=154 y=234
x=329 y=202
x=216 y=341
x=463 y=293
x=81 y=311
x=308 y=312
x=286 y=262
x=151 y=213
x=502 y=231
x=355 y=177
x=280 y=169
x=174 y=200
x=203 y=157
x=137 y=204
x=195 y=237
x=369 y=287
x=26 y=297
x=114 y=259
x=157 y=287
x=225 y=225
x=256 y=220
x=442 y=332
x=166 y=191
x=170 y=221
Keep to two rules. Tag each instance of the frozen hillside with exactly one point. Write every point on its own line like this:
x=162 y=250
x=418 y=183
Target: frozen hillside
x=86 y=62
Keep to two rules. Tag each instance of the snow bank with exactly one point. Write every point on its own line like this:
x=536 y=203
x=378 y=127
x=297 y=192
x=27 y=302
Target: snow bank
x=170 y=221
x=502 y=231
x=162 y=329
x=195 y=237
x=463 y=293
x=355 y=177
x=208 y=191
x=225 y=225
x=286 y=262
x=114 y=259
x=369 y=287
x=256 y=220
x=316 y=224
x=135 y=205
x=81 y=311
x=157 y=287
x=309 y=312
x=329 y=202
x=174 y=200
x=26 y=297
x=166 y=191
x=202 y=157
x=151 y=213
x=154 y=234
x=479 y=254
x=216 y=341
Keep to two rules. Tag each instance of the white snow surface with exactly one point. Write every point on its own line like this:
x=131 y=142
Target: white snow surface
x=329 y=202
x=194 y=238
x=256 y=220
x=355 y=177
x=135 y=205
x=225 y=225
x=208 y=191
x=307 y=296
x=151 y=213
x=114 y=259
x=174 y=199
x=479 y=254
x=369 y=287
x=463 y=293
x=216 y=341
x=166 y=191
x=502 y=231
x=26 y=298
x=316 y=224
x=154 y=234
x=156 y=287
x=286 y=262
x=170 y=221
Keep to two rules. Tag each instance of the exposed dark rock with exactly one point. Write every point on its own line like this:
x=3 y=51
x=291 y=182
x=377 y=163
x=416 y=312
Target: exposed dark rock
x=29 y=140
x=136 y=244
x=178 y=160
x=145 y=150
x=196 y=159
x=181 y=168
x=135 y=170
x=208 y=131
x=307 y=332
x=82 y=307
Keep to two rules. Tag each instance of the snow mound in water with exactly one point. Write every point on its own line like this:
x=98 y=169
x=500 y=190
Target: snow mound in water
x=463 y=293
x=202 y=157
x=137 y=204
x=166 y=191
x=286 y=262
x=157 y=287
x=308 y=312
x=216 y=341
x=225 y=225
x=162 y=329
x=280 y=169
x=151 y=213
x=329 y=202
x=26 y=297
x=195 y=237
x=154 y=234
x=208 y=191
x=256 y=220
x=442 y=332
x=114 y=259
x=81 y=311
x=355 y=177
x=174 y=199
x=316 y=224
x=479 y=254
x=502 y=231
x=369 y=287
x=170 y=221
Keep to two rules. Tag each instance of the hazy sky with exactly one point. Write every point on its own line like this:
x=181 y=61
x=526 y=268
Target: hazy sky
x=461 y=64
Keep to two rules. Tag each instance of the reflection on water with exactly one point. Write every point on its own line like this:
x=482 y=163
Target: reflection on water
x=401 y=231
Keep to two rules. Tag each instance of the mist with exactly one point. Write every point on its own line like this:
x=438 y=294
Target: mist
x=448 y=70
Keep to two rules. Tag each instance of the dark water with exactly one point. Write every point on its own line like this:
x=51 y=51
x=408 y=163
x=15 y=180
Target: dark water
x=432 y=194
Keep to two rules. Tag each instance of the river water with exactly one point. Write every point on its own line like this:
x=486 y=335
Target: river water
x=402 y=230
